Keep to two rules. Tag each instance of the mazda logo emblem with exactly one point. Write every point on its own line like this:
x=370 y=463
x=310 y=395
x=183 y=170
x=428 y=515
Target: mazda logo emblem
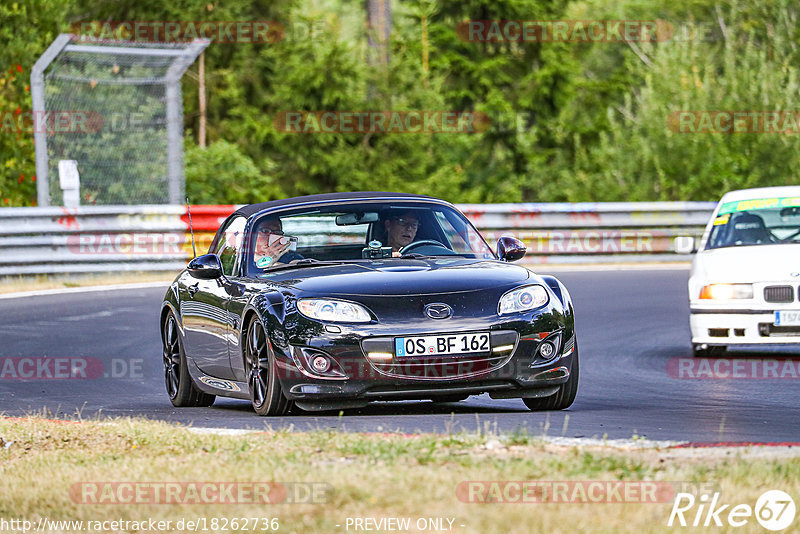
x=438 y=310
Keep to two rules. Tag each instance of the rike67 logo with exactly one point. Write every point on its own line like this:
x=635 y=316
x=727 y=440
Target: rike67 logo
x=774 y=510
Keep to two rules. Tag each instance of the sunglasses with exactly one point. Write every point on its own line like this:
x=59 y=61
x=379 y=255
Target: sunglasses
x=411 y=224
x=271 y=232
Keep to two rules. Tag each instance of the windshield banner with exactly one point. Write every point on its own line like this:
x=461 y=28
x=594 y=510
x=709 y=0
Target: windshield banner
x=758 y=204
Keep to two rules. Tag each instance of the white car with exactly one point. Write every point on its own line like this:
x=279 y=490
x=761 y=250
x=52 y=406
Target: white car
x=743 y=287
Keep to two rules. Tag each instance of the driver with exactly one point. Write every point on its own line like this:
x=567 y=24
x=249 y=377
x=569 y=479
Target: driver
x=401 y=229
x=271 y=244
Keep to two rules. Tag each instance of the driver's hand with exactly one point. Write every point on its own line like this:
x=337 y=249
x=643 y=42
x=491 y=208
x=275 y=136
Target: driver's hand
x=274 y=251
x=396 y=254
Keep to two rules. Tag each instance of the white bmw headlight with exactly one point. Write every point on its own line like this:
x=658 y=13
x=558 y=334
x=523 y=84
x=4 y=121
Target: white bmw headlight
x=335 y=311
x=726 y=291
x=523 y=299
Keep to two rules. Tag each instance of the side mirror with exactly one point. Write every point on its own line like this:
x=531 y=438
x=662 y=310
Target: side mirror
x=510 y=249
x=684 y=244
x=206 y=267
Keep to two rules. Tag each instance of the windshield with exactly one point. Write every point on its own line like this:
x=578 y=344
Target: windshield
x=362 y=231
x=756 y=222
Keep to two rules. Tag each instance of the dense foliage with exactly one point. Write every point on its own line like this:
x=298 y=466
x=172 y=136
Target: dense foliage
x=570 y=121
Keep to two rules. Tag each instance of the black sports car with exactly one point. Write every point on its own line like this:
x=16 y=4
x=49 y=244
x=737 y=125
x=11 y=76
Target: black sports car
x=332 y=301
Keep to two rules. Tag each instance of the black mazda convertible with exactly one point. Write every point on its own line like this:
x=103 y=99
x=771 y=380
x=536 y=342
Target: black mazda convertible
x=333 y=301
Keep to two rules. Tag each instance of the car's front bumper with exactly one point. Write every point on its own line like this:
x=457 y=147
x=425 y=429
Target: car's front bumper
x=721 y=326
x=510 y=381
x=519 y=372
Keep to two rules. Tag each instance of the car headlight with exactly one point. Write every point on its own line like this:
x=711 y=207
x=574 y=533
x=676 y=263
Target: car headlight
x=335 y=311
x=523 y=299
x=727 y=291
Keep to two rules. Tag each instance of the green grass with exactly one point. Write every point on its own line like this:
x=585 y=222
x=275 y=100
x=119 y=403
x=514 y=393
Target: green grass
x=369 y=475
x=19 y=283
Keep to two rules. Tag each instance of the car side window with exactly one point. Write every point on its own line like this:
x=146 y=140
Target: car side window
x=457 y=241
x=463 y=239
x=229 y=244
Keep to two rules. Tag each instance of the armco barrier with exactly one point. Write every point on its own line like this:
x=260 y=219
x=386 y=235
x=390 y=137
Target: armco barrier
x=156 y=238
x=101 y=238
x=593 y=231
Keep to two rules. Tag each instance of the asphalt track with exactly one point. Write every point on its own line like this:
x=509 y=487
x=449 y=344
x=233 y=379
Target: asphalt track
x=630 y=325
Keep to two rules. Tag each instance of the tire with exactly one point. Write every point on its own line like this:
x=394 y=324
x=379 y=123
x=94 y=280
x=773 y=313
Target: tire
x=714 y=350
x=181 y=390
x=266 y=393
x=565 y=395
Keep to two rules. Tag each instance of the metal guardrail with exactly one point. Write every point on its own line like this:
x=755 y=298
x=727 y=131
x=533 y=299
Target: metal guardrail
x=156 y=238
x=587 y=232
x=558 y=215
x=92 y=239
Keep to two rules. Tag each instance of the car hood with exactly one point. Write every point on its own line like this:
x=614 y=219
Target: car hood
x=402 y=277
x=759 y=263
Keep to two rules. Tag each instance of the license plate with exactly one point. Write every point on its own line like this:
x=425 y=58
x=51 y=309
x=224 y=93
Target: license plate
x=442 y=344
x=787 y=318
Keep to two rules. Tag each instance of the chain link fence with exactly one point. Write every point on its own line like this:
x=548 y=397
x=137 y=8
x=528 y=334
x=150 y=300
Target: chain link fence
x=116 y=109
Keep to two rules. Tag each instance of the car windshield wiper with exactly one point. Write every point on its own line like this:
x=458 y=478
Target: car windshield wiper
x=414 y=256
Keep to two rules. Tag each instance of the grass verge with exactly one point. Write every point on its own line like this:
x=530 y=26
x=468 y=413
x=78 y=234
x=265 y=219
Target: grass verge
x=366 y=475
x=15 y=284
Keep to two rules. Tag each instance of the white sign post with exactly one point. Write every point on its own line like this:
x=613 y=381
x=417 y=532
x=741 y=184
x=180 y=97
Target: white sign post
x=70 y=182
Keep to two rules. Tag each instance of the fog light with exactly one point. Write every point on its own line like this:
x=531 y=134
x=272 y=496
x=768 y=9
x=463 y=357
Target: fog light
x=321 y=364
x=380 y=356
x=547 y=350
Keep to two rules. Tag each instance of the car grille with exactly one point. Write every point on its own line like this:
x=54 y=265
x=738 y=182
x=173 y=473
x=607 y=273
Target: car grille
x=779 y=294
x=770 y=330
x=442 y=367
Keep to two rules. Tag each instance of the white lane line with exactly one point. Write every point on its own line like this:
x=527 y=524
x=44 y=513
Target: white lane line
x=613 y=443
x=223 y=431
x=95 y=315
x=492 y=443
x=540 y=268
x=67 y=290
x=544 y=268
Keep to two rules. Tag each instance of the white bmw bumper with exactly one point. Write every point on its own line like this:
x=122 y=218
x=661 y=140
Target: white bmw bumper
x=754 y=321
x=713 y=327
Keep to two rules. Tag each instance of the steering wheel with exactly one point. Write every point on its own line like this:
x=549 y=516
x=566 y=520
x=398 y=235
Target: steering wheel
x=420 y=243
